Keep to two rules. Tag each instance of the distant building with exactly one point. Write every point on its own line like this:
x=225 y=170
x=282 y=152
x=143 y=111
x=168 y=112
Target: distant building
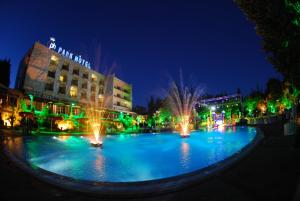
x=229 y=100
x=54 y=76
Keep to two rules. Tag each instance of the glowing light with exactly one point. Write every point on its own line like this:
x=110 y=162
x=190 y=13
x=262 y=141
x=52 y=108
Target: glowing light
x=219 y=122
x=7 y=123
x=213 y=108
x=65 y=124
x=96 y=127
x=73 y=92
x=61 y=78
x=184 y=126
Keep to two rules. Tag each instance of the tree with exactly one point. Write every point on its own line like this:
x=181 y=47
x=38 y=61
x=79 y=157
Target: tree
x=151 y=106
x=154 y=105
x=278 y=23
x=5 y=72
x=274 y=89
x=140 y=110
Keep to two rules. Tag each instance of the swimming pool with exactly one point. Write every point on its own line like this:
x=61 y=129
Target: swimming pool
x=132 y=158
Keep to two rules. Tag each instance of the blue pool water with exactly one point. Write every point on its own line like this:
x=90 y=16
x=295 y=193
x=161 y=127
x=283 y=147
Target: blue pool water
x=128 y=158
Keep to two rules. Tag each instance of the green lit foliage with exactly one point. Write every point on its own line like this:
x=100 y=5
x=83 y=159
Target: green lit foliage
x=203 y=113
x=271 y=106
x=127 y=121
x=162 y=117
x=23 y=105
x=287 y=103
x=41 y=116
x=278 y=23
x=250 y=105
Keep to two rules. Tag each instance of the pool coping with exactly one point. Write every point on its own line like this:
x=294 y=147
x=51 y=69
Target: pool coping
x=134 y=189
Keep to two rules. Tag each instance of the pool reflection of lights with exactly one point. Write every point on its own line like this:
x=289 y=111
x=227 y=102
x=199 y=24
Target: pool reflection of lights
x=138 y=157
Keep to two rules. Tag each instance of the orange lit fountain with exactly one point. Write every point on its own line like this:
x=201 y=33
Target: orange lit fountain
x=181 y=100
x=97 y=142
x=95 y=114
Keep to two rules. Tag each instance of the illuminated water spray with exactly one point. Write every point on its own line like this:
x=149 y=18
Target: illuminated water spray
x=97 y=110
x=99 y=104
x=182 y=100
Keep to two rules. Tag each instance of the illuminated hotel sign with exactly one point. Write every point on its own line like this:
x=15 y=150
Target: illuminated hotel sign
x=68 y=54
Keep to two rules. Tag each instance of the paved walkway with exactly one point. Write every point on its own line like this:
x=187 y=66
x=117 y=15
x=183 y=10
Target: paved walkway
x=270 y=173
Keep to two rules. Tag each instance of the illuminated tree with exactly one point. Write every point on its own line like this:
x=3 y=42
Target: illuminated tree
x=278 y=23
x=203 y=112
x=250 y=105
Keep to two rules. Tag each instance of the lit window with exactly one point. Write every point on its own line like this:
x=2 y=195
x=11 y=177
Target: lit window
x=73 y=91
x=54 y=58
x=61 y=78
x=94 y=77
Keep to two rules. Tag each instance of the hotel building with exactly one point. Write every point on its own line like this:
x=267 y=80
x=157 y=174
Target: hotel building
x=54 y=76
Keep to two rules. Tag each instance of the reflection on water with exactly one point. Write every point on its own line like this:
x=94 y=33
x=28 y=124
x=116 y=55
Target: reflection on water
x=99 y=165
x=185 y=154
x=131 y=157
x=16 y=145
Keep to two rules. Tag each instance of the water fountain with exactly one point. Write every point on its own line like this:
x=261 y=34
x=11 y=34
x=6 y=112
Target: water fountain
x=95 y=113
x=181 y=100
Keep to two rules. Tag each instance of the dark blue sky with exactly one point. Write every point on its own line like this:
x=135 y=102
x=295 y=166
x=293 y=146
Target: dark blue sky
x=147 y=41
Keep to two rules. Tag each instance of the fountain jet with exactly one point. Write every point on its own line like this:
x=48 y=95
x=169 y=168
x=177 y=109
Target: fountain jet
x=181 y=100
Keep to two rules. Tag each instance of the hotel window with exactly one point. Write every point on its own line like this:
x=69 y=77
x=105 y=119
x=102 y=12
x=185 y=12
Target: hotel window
x=73 y=91
x=76 y=111
x=93 y=97
x=74 y=82
x=49 y=87
x=53 y=60
x=101 y=82
x=84 y=86
x=65 y=66
x=62 y=90
x=94 y=77
x=76 y=71
x=93 y=88
x=101 y=91
x=51 y=74
x=63 y=78
x=118 y=104
x=83 y=96
x=58 y=109
x=85 y=75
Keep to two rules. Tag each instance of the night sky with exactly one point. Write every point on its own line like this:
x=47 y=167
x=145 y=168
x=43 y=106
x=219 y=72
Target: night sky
x=146 y=41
